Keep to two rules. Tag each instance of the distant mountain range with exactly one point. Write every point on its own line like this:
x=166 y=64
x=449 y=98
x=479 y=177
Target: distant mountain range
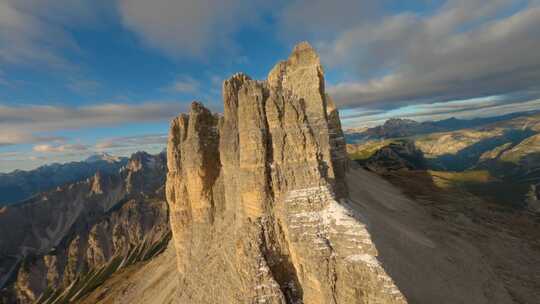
x=104 y=157
x=20 y=185
x=62 y=243
x=398 y=127
x=507 y=148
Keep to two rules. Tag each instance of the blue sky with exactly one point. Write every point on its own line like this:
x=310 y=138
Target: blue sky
x=79 y=77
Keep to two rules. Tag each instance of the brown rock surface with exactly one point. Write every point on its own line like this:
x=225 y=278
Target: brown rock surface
x=254 y=197
x=433 y=246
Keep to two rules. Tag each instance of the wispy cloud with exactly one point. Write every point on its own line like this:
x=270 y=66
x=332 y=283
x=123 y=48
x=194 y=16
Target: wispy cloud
x=185 y=84
x=37 y=158
x=20 y=124
x=464 y=109
x=323 y=18
x=60 y=151
x=133 y=141
x=46 y=148
x=35 y=31
x=12 y=137
x=189 y=28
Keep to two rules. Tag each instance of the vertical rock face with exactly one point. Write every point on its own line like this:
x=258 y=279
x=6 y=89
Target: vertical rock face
x=258 y=200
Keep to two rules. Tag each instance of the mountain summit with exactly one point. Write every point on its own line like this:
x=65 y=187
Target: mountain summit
x=258 y=200
x=103 y=156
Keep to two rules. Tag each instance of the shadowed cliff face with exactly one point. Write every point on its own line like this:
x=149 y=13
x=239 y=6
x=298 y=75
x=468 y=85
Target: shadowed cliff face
x=254 y=194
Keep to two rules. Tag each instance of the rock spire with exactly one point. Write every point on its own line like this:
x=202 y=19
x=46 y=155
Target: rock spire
x=258 y=199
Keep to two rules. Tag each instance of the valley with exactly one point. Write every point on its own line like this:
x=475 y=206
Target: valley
x=498 y=160
x=62 y=243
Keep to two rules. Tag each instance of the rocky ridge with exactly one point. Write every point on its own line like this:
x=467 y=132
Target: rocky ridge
x=258 y=200
x=400 y=127
x=61 y=244
x=402 y=155
x=19 y=186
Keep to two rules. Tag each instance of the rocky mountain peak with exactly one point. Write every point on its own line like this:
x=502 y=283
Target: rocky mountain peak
x=258 y=200
x=303 y=76
x=103 y=156
x=138 y=160
x=305 y=55
x=395 y=122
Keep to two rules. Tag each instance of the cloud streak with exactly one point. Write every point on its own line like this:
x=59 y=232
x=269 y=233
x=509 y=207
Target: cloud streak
x=185 y=84
x=46 y=148
x=133 y=141
x=26 y=124
x=36 y=31
x=316 y=18
x=464 y=109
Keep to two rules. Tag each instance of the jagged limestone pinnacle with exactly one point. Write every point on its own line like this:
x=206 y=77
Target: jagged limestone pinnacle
x=254 y=197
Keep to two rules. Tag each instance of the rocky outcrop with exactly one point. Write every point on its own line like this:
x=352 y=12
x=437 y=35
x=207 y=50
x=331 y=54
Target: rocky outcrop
x=61 y=244
x=258 y=201
x=495 y=153
x=528 y=148
x=397 y=156
x=398 y=127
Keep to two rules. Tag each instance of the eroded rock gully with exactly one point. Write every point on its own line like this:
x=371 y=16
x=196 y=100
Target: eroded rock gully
x=258 y=198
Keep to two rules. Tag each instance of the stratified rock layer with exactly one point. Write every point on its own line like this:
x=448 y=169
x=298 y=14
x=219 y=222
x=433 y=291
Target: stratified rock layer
x=258 y=200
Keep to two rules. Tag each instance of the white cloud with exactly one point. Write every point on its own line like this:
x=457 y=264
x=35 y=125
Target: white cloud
x=185 y=84
x=20 y=124
x=323 y=18
x=25 y=38
x=36 y=31
x=37 y=158
x=13 y=136
x=464 y=109
x=132 y=141
x=46 y=148
x=106 y=145
x=189 y=28
x=465 y=49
